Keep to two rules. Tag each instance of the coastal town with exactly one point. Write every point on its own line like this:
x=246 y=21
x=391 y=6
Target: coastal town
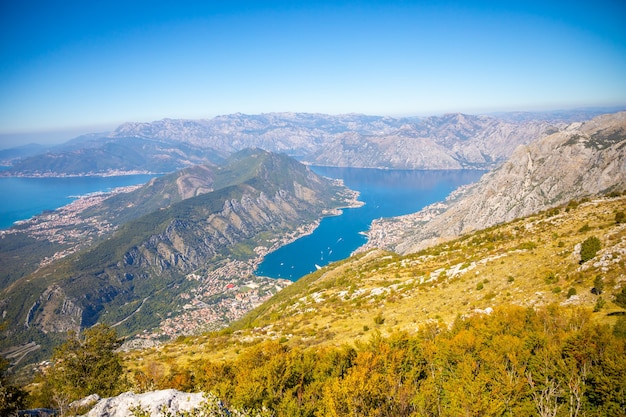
x=223 y=293
x=221 y=296
x=66 y=227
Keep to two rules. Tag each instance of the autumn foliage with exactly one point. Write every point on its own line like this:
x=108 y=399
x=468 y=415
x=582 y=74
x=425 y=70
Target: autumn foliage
x=515 y=361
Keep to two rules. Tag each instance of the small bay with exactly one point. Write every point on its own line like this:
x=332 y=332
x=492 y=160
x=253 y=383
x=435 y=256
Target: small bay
x=386 y=193
x=25 y=197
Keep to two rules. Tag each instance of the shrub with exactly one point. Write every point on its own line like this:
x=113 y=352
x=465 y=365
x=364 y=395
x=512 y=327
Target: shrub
x=489 y=296
x=620 y=217
x=620 y=298
x=87 y=363
x=551 y=278
x=589 y=248
x=598 y=285
x=571 y=292
x=12 y=397
x=527 y=246
x=599 y=305
x=619 y=330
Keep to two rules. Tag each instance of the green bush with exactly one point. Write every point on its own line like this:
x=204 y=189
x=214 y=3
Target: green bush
x=86 y=364
x=551 y=278
x=598 y=285
x=527 y=246
x=589 y=248
x=619 y=330
x=620 y=298
x=599 y=305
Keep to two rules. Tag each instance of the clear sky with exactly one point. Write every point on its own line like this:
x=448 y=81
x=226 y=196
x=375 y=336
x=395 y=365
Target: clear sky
x=72 y=64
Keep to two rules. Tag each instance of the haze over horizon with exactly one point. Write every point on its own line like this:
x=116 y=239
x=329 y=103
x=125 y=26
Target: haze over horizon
x=72 y=65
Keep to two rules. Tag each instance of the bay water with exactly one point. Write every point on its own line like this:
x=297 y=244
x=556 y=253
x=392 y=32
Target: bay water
x=386 y=193
x=23 y=198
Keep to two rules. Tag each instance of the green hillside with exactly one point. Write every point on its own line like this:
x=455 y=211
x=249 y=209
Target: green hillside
x=499 y=322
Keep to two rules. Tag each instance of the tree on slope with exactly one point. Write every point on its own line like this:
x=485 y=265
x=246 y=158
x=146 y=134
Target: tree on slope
x=86 y=364
x=11 y=396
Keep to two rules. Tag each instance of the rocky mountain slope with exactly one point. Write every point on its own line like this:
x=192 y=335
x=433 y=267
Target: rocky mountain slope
x=451 y=141
x=583 y=160
x=143 y=273
x=530 y=261
x=33 y=243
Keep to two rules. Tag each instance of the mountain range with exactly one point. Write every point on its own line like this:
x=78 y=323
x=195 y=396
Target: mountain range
x=451 y=141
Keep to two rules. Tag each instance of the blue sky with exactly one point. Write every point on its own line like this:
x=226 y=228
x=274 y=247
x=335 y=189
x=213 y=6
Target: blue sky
x=89 y=65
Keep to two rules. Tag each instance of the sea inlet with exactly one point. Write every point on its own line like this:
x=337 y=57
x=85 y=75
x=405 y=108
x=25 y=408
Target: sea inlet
x=386 y=193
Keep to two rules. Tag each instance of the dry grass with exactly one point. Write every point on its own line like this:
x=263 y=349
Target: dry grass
x=528 y=262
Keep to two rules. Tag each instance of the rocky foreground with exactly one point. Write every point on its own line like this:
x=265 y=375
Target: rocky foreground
x=129 y=404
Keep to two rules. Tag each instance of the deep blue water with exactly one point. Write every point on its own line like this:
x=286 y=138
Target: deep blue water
x=386 y=193
x=23 y=198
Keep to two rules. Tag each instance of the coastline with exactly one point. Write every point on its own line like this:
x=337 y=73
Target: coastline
x=36 y=196
x=109 y=173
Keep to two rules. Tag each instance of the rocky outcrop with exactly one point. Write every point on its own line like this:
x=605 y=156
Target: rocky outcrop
x=167 y=402
x=583 y=160
x=154 y=403
x=55 y=312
